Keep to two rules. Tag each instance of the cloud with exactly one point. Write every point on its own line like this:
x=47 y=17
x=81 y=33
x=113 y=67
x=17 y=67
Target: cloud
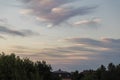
x=81 y=47
x=80 y=52
x=104 y=43
x=3 y=20
x=1 y=37
x=54 y=12
x=93 y=22
x=85 y=47
x=4 y=29
x=12 y=32
x=19 y=49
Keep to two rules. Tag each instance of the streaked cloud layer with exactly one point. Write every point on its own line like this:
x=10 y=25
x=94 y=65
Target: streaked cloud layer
x=81 y=49
x=107 y=44
x=55 y=12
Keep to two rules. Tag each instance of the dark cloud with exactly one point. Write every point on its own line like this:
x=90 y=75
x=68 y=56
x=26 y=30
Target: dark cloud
x=12 y=32
x=54 y=12
x=4 y=29
x=85 y=41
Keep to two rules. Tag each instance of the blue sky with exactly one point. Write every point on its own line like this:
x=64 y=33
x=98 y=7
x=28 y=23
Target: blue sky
x=79 y=34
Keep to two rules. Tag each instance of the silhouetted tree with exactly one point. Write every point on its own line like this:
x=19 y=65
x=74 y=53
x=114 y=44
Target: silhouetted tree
x=111 y=73
x=14 y=68
x=100 y=72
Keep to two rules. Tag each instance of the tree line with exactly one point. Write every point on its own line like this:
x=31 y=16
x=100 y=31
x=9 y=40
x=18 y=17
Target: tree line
x=12 y=67
x=112 y=72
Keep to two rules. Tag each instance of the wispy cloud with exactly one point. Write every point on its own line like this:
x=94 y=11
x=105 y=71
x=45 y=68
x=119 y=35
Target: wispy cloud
x=104 y=43
x=19 y=49
x=13 y=32
x=4 y=29
x=54 y=12
x=93 y=22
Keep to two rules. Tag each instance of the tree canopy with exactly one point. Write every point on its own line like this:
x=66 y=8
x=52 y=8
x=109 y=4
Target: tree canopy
x=14 y=68
x=112 y=72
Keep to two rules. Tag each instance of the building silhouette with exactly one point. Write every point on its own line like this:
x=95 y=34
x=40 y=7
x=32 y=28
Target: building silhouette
x=64 y=75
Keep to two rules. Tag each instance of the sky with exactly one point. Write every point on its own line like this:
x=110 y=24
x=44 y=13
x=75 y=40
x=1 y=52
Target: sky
x=68 y=34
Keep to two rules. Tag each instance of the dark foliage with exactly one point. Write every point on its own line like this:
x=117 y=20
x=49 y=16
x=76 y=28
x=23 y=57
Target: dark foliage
x=111 y=73
x=14 y=68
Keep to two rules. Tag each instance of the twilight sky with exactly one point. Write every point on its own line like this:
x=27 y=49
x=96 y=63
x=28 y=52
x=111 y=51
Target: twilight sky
x=68 y=34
